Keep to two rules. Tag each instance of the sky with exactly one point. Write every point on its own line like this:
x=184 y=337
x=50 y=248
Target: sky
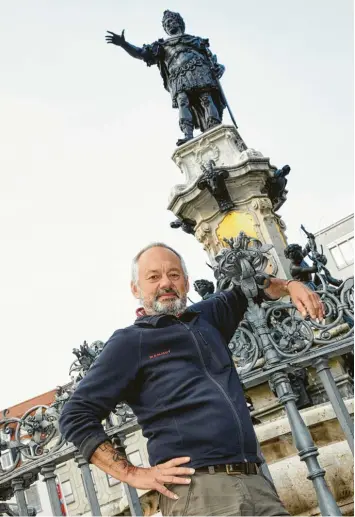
x=86 y=138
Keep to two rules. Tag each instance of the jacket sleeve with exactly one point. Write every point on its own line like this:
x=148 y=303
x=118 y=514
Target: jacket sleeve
x=104 y=386
x=224 y=311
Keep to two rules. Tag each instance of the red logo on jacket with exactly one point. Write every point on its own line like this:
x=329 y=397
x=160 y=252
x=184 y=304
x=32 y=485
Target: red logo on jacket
x=159 y=354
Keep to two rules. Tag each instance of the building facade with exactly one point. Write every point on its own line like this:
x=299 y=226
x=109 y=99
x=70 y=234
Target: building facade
x=337 y=241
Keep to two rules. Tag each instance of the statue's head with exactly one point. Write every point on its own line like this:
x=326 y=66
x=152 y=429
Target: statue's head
x=208 y=166
x=294 y=252
x=203 y=287
x=176 y=224
x=173 y=23
x=286 y=170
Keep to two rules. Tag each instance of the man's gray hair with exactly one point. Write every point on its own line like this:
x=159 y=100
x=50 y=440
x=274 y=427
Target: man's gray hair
x=146 y=248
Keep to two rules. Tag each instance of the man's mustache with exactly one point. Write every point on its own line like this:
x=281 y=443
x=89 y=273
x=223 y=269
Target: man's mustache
x=166 y=291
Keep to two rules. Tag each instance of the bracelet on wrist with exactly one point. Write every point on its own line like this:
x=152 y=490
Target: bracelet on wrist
x=288 y=283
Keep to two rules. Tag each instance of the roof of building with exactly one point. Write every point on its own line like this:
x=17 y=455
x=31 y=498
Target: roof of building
x=18 y=410
x=334 y=225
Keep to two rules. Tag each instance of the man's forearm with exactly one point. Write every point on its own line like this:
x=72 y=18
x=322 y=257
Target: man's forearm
x=277 y=288
x=111 y=461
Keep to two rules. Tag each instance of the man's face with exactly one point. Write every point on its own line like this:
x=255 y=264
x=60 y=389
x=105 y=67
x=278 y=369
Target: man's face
x=172 y=27
x=162 y=287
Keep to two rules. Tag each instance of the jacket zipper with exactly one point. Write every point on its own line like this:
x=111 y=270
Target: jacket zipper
x=213 y=355
x=221 y=390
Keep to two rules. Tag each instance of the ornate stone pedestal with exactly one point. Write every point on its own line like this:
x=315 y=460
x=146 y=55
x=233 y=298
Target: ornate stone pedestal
x=226 y=191
x=232 y=198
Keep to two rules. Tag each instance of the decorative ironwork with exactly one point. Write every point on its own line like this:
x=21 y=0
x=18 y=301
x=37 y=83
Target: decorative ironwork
x=36 y=433
x=275 y=331
x=205 y=288
x=123 y=414
x=245 y=348
x=279 y=335
x=86 y=355
x=299 y=383
x=213 y=180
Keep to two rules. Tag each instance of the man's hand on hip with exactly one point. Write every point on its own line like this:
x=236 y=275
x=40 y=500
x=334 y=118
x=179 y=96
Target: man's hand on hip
x=111 y=461
x=154 y=478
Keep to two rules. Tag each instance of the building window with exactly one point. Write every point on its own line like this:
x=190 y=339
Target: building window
x=67 y=492
x=343 y=252
x=112 y=481
x=6 y=457
x=135 y=458
x=30 y=451
x=32 y=498
x=5 y=437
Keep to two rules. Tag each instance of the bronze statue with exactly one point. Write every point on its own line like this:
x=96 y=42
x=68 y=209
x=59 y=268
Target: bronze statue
x=275 y=187
x=319 y=259
x=214 y=180
x=302 y=271
x=189 y=70
x=299 y=268
x=187 y=225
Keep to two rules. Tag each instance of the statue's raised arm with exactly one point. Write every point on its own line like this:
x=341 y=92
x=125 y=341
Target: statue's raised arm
x=189 y=70
x=120 y=41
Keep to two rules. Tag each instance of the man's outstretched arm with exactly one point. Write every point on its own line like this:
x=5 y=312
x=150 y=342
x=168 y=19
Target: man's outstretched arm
x=226 y=310
x=306 y=301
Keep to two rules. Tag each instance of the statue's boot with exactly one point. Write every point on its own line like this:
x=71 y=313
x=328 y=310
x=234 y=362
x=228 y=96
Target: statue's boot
x=187 y=128
x=213 y=122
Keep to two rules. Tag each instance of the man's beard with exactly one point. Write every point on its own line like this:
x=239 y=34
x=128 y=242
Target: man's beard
x=174 y=307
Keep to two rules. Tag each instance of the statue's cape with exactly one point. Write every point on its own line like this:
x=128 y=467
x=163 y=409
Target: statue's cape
x=154 y=54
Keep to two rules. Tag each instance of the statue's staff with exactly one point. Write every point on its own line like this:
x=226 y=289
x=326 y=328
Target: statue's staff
x=224 y=98
x=311 y=240
x=313 y=249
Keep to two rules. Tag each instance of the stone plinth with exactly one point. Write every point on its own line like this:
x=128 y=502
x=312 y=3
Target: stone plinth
x=290 y=474
x=223 y=144
x=247 y=171
x=296 y=491
x=267 y=406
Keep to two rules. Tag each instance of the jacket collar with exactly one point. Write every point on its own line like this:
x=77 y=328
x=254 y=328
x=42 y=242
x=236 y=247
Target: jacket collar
x=157 y=319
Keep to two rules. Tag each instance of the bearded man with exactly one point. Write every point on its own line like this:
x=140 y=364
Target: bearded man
x=173 y=367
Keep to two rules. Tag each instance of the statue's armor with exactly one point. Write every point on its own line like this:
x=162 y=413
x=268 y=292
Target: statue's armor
x=189 y=68
x=187 y=64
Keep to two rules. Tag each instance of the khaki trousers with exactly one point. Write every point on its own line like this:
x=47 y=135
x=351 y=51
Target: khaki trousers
x=221 y=494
